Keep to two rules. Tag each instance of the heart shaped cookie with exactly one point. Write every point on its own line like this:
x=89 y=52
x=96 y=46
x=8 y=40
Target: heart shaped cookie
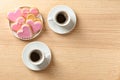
x=20 y=20
x=34 y=11
x=27 y=11
x=25 y=32
x=12 y=16
x=17 y=25
x=36 y=26
x=32 y=17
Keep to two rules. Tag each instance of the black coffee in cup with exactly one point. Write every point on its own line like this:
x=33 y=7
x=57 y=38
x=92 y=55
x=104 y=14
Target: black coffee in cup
x=61 y=17
x=35 y=55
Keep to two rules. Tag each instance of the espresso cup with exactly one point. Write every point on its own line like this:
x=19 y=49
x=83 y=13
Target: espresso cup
x=62 y=18
x=36 y=57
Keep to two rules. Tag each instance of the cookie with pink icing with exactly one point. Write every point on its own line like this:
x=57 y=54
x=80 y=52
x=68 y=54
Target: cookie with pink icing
x=25 y=22
x=17 y=25
x=26 y=11
x=12 y=16
x=35 y=25
x=25 y=32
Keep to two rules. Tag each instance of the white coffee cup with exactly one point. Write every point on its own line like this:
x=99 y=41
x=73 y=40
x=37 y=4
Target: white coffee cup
x=61 y=18
x=36 y=57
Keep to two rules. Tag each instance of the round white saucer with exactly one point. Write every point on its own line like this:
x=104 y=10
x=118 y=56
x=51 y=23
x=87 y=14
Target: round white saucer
x=39 y=46
x=61 y=29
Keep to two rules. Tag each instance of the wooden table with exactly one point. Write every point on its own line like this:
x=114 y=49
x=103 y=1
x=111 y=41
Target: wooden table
x=90 y=52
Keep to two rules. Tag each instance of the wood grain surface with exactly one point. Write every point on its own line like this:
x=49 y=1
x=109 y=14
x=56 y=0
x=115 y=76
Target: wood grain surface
x=90 y=52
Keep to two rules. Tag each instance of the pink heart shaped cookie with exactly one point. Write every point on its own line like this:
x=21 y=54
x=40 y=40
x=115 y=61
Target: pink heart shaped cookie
x=36 y=26
x=34 y=11
x=25 y=32
x=12 y=16
x=20 y=20
x=26 y=11
x=17 y=25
